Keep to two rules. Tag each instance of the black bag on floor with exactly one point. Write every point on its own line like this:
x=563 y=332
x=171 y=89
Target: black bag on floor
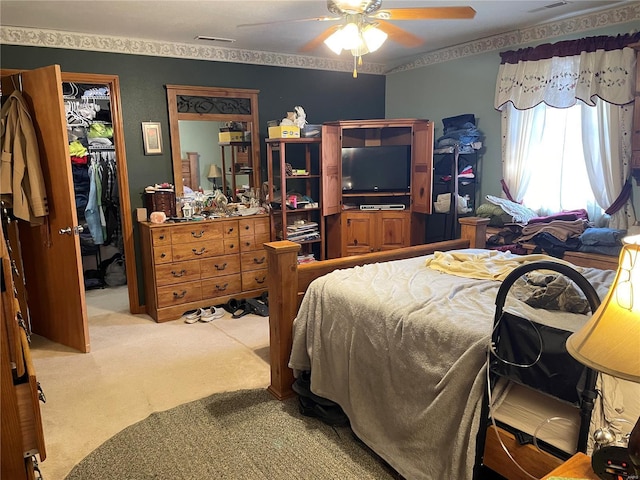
x=312 y=405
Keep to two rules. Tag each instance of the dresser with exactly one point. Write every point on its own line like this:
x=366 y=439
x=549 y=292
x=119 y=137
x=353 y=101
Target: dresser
x=202 y=263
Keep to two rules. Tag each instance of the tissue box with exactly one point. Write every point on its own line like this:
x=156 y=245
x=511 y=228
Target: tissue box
x=284 y=131
x=226 y=137
x=312 y=131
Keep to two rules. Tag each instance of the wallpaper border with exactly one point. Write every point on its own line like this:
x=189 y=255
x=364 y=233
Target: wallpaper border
x=34 y=37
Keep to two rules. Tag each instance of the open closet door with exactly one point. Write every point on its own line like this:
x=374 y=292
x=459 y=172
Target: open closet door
x=52 y=260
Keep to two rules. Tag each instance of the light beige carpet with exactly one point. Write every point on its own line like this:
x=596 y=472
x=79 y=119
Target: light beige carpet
x=137 y=367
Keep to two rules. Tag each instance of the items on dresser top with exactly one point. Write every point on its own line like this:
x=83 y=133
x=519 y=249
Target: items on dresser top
x=194 y=264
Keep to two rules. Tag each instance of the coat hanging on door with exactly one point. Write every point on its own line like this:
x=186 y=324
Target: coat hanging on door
x=21 y=181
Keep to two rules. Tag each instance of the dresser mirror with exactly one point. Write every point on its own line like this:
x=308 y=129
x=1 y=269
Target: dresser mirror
x=197 y=117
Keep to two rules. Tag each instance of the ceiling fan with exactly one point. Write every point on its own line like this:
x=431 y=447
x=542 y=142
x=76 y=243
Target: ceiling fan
x=364 y=25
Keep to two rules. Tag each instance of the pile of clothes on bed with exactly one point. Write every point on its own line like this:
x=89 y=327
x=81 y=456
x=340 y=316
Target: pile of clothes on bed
x=553 y=234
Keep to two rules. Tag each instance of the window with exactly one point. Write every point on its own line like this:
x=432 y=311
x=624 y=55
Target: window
x=554 y=163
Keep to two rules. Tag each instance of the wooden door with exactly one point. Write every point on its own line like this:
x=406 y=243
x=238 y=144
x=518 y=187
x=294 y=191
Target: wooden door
x=359 y=233
x=331 y=170
x=52 y=261
x=421 y=164
x=393 y=230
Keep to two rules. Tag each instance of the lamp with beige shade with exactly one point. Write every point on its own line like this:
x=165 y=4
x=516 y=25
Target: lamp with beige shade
x=610 y=343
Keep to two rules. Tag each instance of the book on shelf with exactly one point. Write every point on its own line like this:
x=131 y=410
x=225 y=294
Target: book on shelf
x=302 y=227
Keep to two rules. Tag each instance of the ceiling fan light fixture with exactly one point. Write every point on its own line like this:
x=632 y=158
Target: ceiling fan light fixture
x=373 y=37
x=350 y=35
x=334 y=42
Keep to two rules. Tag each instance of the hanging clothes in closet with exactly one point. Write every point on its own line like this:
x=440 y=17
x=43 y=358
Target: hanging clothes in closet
x=94 y=168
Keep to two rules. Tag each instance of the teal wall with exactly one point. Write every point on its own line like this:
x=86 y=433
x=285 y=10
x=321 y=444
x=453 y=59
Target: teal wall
x=466 y=85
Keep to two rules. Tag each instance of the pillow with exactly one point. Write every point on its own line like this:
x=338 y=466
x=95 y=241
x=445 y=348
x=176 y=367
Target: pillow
x=520 y=213
x=605 y=237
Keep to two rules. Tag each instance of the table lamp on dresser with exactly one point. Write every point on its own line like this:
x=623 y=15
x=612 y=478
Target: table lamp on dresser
x=610 y=343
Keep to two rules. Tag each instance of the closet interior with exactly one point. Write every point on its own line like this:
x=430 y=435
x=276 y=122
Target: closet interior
x=92 y=153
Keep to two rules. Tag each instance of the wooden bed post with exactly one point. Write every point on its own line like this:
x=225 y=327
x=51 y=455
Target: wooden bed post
x=474 y=229
x=282 y=260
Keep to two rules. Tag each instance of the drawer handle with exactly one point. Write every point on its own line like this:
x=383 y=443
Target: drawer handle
x=231 y=246
x=247 y=244
x=178 y=274
x=222 y=288
x=161 y=237
x=230 y=230
x=202 y=250
x=261 y=280
x=246 y=227
x=179 y=295
x=162 y=255
x=197 y=235
x=221 y=267
x=259 y=261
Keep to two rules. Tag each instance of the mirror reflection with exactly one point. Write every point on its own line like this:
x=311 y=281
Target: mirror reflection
x=202 y=158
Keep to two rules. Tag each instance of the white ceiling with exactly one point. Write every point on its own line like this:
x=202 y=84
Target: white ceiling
x=180 y=21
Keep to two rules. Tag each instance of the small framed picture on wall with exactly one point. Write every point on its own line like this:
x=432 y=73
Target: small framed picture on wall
x=152 y=138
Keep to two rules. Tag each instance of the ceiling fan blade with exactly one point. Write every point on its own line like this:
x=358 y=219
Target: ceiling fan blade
x=278 y=22
x=399 y=35
x=315 y=43
x=425 y=13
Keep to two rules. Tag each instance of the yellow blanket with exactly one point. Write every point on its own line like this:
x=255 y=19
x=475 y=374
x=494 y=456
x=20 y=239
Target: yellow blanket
x=490 y=264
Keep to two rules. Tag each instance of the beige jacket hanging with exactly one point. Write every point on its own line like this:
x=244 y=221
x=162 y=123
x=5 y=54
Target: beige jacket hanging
x=21 y=182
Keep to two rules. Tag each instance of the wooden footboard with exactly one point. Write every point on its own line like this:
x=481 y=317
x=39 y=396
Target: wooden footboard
x=288 y=281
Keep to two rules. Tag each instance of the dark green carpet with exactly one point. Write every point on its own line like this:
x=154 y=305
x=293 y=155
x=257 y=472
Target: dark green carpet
x=237 y=435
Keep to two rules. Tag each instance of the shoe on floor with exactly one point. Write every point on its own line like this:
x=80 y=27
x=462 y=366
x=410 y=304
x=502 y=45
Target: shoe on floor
x=192 y=316
x=211 y=313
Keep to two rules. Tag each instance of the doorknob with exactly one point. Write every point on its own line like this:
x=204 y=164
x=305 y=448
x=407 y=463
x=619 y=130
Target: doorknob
x=71 y=230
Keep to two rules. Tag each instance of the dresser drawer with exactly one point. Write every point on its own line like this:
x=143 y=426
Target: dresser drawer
x=231 y=245
x=229 y=229
x=172 y=273
x=196 y=250
x=254 y=242
x=223 y=285
x=178 y=294
x=252 y=226
x=253 y=260
x=162 y=254
x=197 y=231
x=223 y=265
x=160 y=236
x=254 y=280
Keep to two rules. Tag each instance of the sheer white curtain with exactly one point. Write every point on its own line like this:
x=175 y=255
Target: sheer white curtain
x=602 y=83
x=607 y=155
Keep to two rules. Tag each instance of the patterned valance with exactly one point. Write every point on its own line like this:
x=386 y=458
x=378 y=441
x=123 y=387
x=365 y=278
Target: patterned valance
x=546 y=74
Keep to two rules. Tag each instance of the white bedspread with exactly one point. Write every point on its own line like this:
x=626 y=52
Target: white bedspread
x=402 y=349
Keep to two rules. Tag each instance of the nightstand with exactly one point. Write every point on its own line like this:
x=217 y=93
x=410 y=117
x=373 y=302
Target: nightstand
x=578 y=466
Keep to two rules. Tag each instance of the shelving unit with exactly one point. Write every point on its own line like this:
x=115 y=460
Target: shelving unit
x=288 y=218
x=445 y=226
x=237 y=157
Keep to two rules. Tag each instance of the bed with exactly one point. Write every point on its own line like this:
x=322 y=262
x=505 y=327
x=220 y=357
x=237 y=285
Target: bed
x=425 y=416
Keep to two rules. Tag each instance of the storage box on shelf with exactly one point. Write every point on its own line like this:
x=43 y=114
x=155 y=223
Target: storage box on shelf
x=198 y=264
x=284 y=131
x=294 y=190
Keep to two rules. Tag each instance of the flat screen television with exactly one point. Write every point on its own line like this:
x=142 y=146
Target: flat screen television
x=376 y=169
